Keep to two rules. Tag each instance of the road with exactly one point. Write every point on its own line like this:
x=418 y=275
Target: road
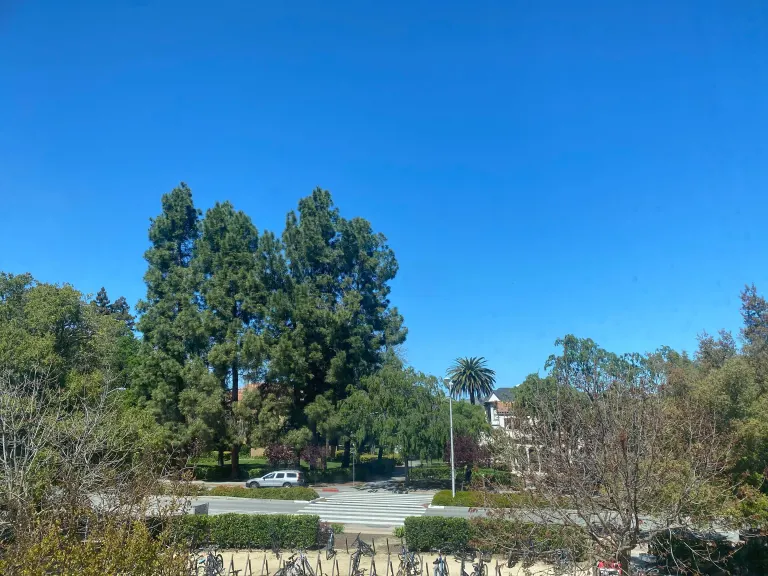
x=381 y=509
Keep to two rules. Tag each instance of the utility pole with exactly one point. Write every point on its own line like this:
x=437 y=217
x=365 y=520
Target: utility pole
x=447 y=382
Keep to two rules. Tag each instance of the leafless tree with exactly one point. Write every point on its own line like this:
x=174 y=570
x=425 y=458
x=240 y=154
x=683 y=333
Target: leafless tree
x=65 y=456
x=618 y=457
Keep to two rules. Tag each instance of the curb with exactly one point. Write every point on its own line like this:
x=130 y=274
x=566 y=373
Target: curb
x=437 y=507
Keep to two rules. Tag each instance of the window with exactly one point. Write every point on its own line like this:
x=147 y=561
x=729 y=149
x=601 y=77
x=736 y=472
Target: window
x=268 y=476
x=291 y=475
x=279 y=476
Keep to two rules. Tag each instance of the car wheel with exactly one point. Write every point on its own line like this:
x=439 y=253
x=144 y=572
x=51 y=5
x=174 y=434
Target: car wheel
x=287 y=485
x=253 y=484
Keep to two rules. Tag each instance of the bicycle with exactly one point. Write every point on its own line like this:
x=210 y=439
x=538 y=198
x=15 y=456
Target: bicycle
x=330 y=552
x=362 y=546
x=479 y=568
x=211 y=564
x=296 y=565
x=440 y=566
x=410 y=563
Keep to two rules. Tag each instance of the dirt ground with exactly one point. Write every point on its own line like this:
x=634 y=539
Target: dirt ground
x=264 y=563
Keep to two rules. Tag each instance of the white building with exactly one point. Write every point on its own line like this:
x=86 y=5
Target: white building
x=499 y=411
x=498 y=408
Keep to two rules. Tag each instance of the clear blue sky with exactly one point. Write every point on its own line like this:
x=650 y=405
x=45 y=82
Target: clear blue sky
x=540 y=168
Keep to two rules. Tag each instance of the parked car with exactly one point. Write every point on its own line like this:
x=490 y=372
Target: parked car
x=284 y=478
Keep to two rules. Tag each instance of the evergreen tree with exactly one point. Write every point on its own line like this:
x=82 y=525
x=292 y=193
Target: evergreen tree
x=177 y=385
x=102 y=301
x=232 y=298
x=335 y=316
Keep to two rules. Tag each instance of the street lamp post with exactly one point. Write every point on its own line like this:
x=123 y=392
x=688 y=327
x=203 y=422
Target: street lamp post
x=450 y=417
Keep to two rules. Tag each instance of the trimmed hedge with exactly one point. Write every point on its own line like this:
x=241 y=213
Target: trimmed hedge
x=248 y=530
x=425 y=533
x=215 y=473
x=294 y=493
x=481 y=475
x=476 y=499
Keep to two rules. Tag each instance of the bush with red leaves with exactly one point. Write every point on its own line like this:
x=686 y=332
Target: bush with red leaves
x=280 y=455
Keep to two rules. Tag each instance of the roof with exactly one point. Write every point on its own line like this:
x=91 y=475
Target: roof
x=501 y=395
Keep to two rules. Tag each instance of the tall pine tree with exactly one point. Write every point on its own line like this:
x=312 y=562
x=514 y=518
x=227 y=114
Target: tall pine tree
x=232 y=299
x=337 y=321
x=177 y=385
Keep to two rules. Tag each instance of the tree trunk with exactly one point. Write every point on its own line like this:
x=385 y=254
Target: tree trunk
x=471 y=396
x=221 y=456
x=345 y=457
x=381 y=453
x=325 y=455
x=236 y=444
x=405 y=461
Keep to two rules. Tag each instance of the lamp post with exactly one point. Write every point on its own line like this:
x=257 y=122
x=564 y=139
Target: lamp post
x=447 y=382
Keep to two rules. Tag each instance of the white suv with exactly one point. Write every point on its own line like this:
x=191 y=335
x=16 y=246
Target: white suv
x=284 y=478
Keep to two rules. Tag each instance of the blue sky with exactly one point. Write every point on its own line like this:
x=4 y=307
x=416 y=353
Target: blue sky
x=540 y=168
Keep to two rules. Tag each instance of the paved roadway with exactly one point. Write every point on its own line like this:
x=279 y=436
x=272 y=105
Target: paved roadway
x=381 y=509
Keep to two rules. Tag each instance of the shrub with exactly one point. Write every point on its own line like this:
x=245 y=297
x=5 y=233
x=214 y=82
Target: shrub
x=399 y=532
x=295 y=493
x=280 y=455
x=116 y=547
x=397 y=459
x=313 y=456
x=214 y=473
x=476 y=499
x=430 y=473
x=467 y=452
x=337 y=528
x=500 y=535
x=248 y=530
x=428 y=532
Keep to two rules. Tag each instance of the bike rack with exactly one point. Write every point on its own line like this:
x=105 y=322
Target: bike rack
x=248 y=568
x=264 y=565
x=372 y=569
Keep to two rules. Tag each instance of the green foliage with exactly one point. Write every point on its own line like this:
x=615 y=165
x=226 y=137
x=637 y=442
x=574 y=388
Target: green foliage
x=112 y=548
x=337 y=528
x=248 y=530
x=49 y=329
x=502 y=535
x=173 y=381
x=293 y=493
x=399 y=532
x=425 y=533
x=232 y=298
x=476 y=499
x=479 y=476
x=471 y=376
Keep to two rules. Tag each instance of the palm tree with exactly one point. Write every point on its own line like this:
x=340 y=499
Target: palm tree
x=471 y=376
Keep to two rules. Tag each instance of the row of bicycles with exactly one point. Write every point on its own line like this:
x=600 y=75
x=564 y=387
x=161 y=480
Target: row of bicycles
x=209 y=562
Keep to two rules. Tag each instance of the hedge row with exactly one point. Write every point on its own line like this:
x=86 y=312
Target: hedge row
x=424 y=533
x=488 y=475
x=215 y=473
x=294 y=493
x=247 y=530
x=477 y=499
